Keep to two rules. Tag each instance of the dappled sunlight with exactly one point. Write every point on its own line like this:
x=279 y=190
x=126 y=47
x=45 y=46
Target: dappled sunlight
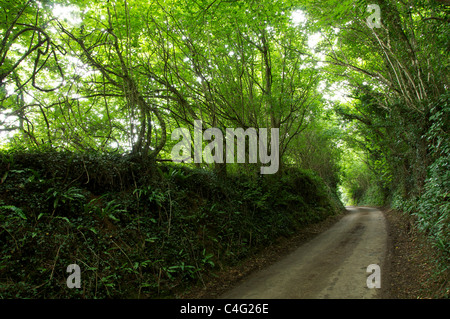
x=148 y=145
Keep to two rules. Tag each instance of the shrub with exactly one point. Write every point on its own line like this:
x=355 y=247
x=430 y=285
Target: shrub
x=138 y=229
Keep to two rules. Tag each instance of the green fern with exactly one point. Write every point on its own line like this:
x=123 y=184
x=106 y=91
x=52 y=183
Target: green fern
x=16 y=210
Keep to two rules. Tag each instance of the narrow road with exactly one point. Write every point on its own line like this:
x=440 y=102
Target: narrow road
x=332 y=265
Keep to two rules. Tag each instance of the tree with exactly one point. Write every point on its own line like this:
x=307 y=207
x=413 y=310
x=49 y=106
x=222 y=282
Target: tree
x=396 y=72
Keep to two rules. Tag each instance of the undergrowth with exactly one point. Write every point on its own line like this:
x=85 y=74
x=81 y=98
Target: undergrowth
x=138 y=230
x=432 y=207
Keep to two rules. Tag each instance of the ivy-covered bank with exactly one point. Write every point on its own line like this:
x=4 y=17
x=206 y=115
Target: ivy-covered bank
x=138 y=230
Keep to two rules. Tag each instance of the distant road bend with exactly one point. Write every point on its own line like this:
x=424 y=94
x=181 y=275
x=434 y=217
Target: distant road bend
x=332 y=265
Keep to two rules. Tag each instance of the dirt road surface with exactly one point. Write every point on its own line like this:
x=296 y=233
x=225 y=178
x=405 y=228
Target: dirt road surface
x=332 y=265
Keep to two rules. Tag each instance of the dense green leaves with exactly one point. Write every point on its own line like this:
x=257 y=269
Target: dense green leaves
x=109 y=82
x=123 y=73
x=397 y=76
x=147 y=237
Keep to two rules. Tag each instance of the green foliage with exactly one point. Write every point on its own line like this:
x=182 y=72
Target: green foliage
x=110 y=209
x=64 y=197
x=145 y=237
x=360 y=185
x=432 y=207
x=72 y=90
x=15 y=209
x=109 y=81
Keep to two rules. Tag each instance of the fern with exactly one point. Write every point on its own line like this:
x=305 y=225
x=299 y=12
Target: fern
x=16 y=210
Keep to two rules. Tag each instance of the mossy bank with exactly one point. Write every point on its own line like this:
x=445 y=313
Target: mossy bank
x=138 y=230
